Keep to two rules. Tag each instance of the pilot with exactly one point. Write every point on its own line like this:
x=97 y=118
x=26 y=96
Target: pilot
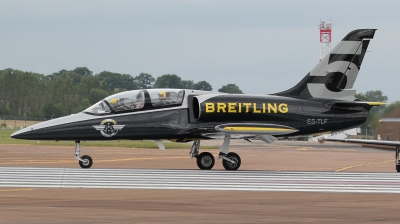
x=114 y=103
x=139 y=102
x=162 y=95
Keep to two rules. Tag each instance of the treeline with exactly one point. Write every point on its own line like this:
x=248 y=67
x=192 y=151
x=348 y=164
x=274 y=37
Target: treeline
x=376 y=113
x=34 y=95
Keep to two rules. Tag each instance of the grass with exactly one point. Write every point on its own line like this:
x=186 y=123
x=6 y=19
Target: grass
x=6 y=139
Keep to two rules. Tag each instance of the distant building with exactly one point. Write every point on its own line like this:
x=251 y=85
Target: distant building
x=389 y=131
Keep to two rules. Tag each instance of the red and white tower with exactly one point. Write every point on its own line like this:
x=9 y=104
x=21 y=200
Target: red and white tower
x=325 y=39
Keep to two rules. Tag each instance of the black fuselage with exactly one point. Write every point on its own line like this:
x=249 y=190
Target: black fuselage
x=196 y=118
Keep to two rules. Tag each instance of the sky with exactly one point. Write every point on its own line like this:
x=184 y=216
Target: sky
x=261 y=46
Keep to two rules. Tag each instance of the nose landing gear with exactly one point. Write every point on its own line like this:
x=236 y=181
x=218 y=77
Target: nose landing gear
x=84 y=161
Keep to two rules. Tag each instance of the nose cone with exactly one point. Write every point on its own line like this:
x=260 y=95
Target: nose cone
x=56 y=129
x=26 y=133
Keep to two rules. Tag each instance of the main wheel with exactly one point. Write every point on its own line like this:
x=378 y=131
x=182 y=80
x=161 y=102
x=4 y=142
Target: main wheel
x=87 y=161
x=232 y=166
x=205 y=161
x=398 y=168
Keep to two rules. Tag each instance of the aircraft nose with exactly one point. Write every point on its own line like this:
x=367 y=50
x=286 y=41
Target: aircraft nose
x=15 y=134
x=21 y=134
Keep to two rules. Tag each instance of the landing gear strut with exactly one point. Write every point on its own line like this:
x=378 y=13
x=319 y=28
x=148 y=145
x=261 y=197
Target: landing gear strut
x=84 y=161
x=206 y=161
x=397 y=159
x=231 y=161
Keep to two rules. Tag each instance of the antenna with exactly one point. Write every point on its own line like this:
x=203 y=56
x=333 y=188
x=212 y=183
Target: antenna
x=325 y=39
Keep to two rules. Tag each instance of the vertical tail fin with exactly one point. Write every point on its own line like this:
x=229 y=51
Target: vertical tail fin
x=336 y=73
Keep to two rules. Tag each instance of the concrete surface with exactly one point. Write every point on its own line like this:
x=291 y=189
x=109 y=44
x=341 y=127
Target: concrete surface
x=31 y=205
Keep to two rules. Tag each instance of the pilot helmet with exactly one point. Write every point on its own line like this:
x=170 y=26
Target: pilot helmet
x=162 y=94
x=113 y=101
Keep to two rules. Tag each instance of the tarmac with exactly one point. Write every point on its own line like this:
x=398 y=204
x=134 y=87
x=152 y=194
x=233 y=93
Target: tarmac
x=78 y=205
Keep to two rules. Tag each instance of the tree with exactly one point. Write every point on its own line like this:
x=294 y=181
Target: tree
x=202 y=85
x=53 y=110
x=168 y=81
x=187 y=84
x=375 y=113
x=96 y=95
x=83 y=71
x=372 y=96
x=144 y=81
x=77 y=74
x=112 y=81
x=230 y=88
x=81 y=106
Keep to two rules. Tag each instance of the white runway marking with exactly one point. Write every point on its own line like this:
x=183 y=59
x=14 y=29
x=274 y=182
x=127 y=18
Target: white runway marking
x=200 y=180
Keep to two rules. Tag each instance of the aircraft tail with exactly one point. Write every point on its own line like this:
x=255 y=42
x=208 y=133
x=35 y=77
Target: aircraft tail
x=333 y=76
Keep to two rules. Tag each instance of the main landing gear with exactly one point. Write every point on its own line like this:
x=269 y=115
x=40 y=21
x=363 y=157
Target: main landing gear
x=84 y=161
x=206 y=161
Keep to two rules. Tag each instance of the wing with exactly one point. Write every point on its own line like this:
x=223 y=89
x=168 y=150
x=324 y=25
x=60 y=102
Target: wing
x=241 y=128
x=361 y=141
x=263 y=132
x=255 y=129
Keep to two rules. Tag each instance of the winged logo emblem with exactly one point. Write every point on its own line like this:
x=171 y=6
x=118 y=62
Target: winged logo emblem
x=108 y=127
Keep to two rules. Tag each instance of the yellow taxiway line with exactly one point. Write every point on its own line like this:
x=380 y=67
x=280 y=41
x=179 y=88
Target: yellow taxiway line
x=359 y=165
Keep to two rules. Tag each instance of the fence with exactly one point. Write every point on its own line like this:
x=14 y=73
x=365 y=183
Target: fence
x=17 y=122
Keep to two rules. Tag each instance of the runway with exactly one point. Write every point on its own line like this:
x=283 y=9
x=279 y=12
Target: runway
x=20 y=177
x=286 y=182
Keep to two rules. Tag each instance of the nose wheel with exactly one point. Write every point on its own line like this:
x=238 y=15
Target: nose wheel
x=86 y=161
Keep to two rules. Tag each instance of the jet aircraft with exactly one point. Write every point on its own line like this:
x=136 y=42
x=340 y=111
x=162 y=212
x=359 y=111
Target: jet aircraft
x=321 y=102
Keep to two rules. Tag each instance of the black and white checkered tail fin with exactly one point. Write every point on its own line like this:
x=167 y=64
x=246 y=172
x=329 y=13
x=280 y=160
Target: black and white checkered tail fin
x=335 y=75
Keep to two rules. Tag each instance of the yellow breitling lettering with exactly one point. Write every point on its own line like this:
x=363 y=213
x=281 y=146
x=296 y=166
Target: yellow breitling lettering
x=234 y=107
x=272 y=107
x=210 y=107
x=247 y=105
x=255 y=109
x=231 y=107
x=221 y=107
x=283 y=108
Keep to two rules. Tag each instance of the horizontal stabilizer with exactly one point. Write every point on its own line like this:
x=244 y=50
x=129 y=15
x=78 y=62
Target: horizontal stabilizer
x=359 y=103
x=255 y=129
x=389 y=120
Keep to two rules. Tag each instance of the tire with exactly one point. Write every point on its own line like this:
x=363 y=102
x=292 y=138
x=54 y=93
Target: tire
x=205 y=161
x=230 y=166
x=398 y=168
x=87 y=163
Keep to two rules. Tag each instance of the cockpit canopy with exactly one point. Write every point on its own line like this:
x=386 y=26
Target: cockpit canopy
x=134 y=100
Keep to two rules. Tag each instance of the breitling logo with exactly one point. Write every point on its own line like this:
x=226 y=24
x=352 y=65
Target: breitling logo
x=256 y=108
x=108 y=127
